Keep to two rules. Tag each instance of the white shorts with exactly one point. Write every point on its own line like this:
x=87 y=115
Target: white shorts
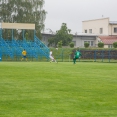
x=51 y=57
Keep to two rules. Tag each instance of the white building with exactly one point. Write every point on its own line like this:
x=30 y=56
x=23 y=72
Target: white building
x=100 y=27
x=78 y=40
x=93 y=32
x=81 y=39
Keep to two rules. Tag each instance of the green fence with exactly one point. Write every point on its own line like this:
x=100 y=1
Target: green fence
x=91 y=55
x=66 y=55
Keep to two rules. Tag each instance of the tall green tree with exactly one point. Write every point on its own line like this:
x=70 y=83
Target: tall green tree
x=23 y=11
x=63 y=35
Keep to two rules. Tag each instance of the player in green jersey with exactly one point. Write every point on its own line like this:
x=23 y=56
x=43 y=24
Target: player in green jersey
x=77 y=55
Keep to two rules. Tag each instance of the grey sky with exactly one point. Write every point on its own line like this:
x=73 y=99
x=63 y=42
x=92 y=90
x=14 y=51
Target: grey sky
x=73 y=12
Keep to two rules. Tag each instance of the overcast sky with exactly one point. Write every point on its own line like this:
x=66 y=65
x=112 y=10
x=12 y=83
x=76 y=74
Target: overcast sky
x=73 y=12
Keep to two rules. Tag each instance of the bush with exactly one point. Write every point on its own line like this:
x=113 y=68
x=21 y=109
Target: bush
x=100 y=45
x=86 y=45
x=115 y=44
x=71 y=44
x=59 y=45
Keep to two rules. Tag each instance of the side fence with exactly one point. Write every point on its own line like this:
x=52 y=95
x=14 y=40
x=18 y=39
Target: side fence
x=66 y=55
x=100 y=55
x=90 y=56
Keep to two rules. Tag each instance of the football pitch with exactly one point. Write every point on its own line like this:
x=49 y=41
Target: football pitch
x=43 y=89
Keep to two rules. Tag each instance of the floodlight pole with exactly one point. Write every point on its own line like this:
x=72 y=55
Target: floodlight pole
x=23 y=34
x=0 y=32
x=34 y=35
x=12 y=34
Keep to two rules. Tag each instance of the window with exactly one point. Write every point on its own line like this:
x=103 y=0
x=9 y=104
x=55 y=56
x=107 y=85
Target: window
x=110 y=46
x=87 y=42
x=85 y=31
x=99 y=41
x=91 y=43
x=90 y=30
x=101 y=30
x=115 y=30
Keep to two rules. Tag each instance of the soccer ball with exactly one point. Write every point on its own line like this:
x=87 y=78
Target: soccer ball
x=56 y=48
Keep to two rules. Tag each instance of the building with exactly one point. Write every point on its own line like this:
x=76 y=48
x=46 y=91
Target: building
x=45 y=37
x=93 y=32
x=107 y=40
x=78 y=40
x=100 y=27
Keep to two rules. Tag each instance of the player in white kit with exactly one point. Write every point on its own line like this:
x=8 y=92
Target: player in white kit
x=52 y=58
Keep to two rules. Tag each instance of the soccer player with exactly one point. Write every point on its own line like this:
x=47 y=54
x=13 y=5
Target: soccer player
x=24 y=55
x=52 y=58
x=77 y=55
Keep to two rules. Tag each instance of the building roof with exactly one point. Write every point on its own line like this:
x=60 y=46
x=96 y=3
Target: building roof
x=96 y=19
x=108 y=39
x=113 y=22
x=78 y=34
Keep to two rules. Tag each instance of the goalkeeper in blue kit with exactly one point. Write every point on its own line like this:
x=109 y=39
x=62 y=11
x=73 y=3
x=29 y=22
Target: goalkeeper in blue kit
x=77 y=55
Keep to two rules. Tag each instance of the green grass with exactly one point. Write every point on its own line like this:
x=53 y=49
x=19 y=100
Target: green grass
x=43 y=89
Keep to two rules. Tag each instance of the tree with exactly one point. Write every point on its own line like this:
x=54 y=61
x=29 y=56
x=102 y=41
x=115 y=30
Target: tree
x=115 y=44
x=26 y=36
x=50 y=41
x=63 y=35
x=100 y=45
x=59 y=45
x=86 y=44
x=24 y=11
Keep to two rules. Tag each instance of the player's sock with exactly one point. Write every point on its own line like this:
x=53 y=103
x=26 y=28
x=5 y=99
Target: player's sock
x=74 y=61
